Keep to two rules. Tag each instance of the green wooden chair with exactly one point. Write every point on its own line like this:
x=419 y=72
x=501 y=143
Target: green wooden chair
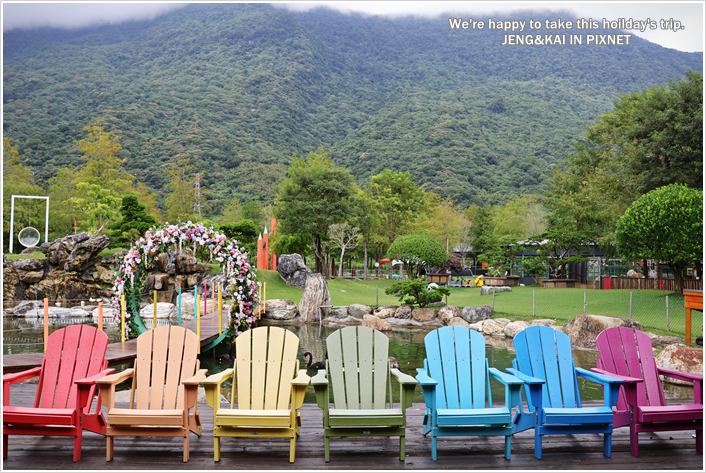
x=358 y=373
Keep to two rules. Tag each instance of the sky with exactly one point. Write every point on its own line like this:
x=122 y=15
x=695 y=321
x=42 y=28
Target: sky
x=690 y=15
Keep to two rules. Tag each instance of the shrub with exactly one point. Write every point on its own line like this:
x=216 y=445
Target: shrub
x=415 y=291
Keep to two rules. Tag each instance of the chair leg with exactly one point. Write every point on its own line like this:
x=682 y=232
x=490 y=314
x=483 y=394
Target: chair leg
x=326 y=451
x=77 y=446
x=433 y=446
x=109 y=448
x=216 y=449
x=292 y=448
x=508 y=440
x=186 y=446
x=607 y=444
x=401 y=447
x=537 y=445
x=700 y=440
x=634 y=447
x=4 y=446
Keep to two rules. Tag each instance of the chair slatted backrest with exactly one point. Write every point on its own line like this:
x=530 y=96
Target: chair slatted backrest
x=545 y=353
x=265 y=363
x=358 y=367
x=74 y=352
x=165 y=357
x=456 y=359
x=628 y=352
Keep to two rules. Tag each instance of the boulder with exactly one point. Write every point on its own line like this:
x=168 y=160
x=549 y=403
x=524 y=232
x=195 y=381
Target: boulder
x=404 y=312
x=584 y=328
x=491 y=289
x=447 y=313
x=424 y=314
x=476 y=314
x=663 y=341
x=513 y=328
x=293 y=270
x=85 y=253
x=376 y=323
x=542 y=322
x=339 y=313
x=314 y=296
x=380 y=308
x=359 y=310
x=385 y=313
x=109 y=314
x=458 y=321
x=281 y=309
x=478 y=326
x=30 y=249
x=23 y=307
x=495 y=326
x=165 y=310
x=58 y=251
x=680 y=357
x=58 y=312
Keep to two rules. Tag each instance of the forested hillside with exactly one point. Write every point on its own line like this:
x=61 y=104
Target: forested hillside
x=239 y=88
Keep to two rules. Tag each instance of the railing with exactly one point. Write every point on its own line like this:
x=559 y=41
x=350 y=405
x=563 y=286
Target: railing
x=618 y=282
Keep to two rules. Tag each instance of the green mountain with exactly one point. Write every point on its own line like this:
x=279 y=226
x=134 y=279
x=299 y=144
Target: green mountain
x=239 y=88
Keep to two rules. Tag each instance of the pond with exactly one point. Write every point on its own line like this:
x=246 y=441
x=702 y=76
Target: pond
x=406 y=344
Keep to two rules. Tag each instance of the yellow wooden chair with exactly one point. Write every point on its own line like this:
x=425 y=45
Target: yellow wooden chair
x=264 y=384
x=165 y=381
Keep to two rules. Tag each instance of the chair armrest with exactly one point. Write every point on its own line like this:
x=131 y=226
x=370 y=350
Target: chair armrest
x=403 y=378
x=506 y=379
x=191 y=386
x=681 y=375
x=302 y=379
x=212 y=385
x=320 y=384
x=611 y=385
x=625 y=379
x=525 y=378
x=535 y=385
x=218 y=378
x=424 y=379
x=299 y=385
x=196 y=379
x=116 y=378
x=92 y=379
x=319 y=378
x=21 y=376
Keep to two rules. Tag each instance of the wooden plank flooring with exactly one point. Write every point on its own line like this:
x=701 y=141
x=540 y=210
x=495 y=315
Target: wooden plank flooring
x=117 y=353
x=667 y=450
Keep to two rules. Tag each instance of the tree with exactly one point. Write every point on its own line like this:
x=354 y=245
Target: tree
x=442 y=221
x=97 y=204
x=665 y=224
x=416 y=252
x=367 y=218
x=500 y=255
x=343 y=237
x=135 y=222
x=399 y=200
x=231 y=212
x=559 y=247
x=315 y=194
x=62 y=212
x=481 y=230
x=519 y=219
x=244 y=231
x=103 y=166
x=416 y=291
x=183 y=202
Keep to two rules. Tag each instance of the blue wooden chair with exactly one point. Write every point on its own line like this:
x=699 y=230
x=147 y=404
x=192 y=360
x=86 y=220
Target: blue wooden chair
x=545 y=364
x=455 y=379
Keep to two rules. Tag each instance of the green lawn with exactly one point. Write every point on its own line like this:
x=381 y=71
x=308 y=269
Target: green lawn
x=648 y=307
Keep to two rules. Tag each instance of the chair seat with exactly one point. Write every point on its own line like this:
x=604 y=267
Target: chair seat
x=40 y=416
x=365 y=417
x=684 y=412
x=468 y=417
x=162 y=417
x=578 y=415
x=253 y=418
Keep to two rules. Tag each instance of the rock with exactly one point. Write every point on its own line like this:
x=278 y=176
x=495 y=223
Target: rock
x=376 y=323
x=165 y=310
x=495 y=326
x=542 y=322
x=58 y=251
x=476 y=314
x=478 y=326
x=458 y=321
x=315 y=295
x=485 y=290
x=513 y=328
x=662 y=342
x=404 y=312
x=109 y=314
x=447 y=313
x=58 y=312
x=30 y=250
x=23 y=307
x=187 y=306
x=359 y=310
x=380 y=308
x=339 y=313
x=584 y=328
x=281 y=309
x=85 y=252
x=293 y=270
x=680 y=357
x=385 y=313
x=424 y=314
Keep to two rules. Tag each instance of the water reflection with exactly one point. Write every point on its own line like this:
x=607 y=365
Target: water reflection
x=407 y=345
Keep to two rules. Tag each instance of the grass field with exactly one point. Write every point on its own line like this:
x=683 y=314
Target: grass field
x=561 y=305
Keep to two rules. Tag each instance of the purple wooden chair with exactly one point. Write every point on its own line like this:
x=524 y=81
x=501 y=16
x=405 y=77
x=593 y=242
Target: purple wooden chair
x=627 y=354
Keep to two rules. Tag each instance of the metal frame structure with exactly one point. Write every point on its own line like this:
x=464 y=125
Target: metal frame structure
x=12 y=216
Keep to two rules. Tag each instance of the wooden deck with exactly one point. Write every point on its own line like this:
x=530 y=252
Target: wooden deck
x=117 y=353
x=668 y=450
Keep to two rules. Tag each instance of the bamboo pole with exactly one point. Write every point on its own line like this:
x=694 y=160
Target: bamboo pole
x=46 y=324
x=179 y=304
x=100 y=315
x=198 y=320
x=205 y=298
x=220 y=310
x=154 y=319
x=213 y=298
x=122 y=318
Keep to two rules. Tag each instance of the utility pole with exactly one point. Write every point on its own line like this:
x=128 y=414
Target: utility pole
x=197 y=196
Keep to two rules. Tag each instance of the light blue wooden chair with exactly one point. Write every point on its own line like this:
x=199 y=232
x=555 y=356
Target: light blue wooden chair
x=545 y=363
x=456 y=384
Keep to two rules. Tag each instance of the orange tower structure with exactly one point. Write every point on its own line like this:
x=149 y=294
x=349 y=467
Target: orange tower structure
x=265 y=250
x=260 y=263
x=273 y=258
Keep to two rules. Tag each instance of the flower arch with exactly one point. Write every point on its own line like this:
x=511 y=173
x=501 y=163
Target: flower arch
x=132 y=272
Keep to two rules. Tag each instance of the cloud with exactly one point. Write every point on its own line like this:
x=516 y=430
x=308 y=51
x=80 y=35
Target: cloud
x=77 y=15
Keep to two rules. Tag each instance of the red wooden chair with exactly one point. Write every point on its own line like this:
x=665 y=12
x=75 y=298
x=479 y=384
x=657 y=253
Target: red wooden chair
x=626 y=353
x=74 y=360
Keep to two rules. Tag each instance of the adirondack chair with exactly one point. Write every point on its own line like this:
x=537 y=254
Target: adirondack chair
x=358 y=372
x=75 y=358
x=165 y=380
x=265 y=386
x=626 y=353
x=454 y=379
x=545 y=364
